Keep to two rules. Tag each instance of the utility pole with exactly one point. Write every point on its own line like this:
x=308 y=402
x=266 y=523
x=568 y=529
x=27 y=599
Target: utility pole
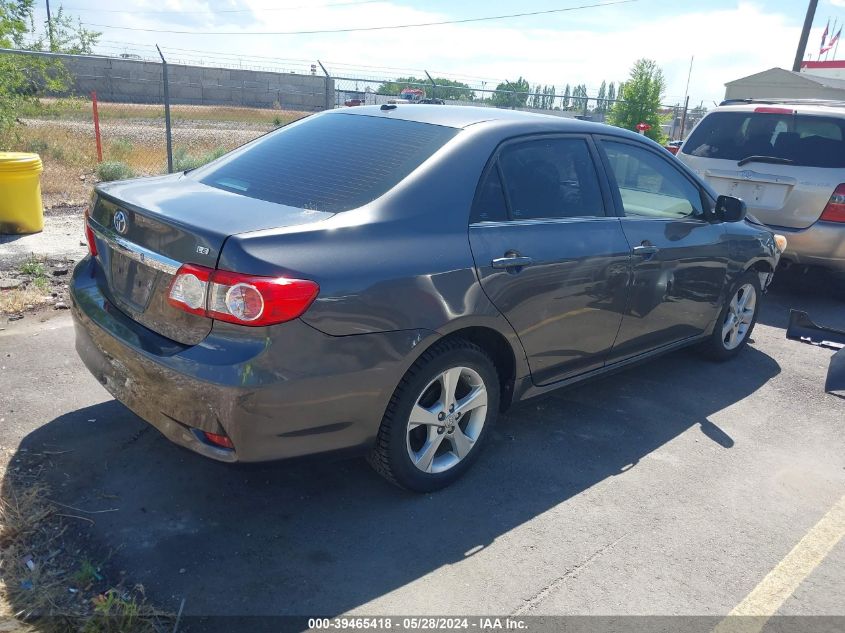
x=686 y=99
x=49 y=26
x=805 y=35
x=167 y=130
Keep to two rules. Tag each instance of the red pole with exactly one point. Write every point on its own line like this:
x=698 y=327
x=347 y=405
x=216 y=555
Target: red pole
x=97 y=127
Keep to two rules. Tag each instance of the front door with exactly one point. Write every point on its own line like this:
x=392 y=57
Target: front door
x=680 y=258
x=549 y=256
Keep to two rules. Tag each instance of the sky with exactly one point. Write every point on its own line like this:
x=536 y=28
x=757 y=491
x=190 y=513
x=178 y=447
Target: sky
x=728 y=39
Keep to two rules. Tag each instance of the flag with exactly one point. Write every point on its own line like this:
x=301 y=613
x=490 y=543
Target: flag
x=822 y=49
x=832 y=42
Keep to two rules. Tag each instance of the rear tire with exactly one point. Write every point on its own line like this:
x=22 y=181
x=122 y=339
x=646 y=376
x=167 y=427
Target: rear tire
x=736 y=320
x=438 y=418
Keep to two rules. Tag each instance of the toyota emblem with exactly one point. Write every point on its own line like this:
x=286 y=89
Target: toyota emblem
x=121 y=222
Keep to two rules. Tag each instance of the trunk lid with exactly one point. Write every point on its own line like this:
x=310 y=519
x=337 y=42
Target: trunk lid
x=145 y=229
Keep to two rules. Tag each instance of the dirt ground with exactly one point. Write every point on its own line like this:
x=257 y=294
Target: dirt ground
x=34 y=269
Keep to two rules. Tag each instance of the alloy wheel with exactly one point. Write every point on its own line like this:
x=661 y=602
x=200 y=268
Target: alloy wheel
x=447 y=420
x=739 y=316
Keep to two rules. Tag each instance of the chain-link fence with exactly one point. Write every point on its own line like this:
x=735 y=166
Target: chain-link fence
x=105 y=118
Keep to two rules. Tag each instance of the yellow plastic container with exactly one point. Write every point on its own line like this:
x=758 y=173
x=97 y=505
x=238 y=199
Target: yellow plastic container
x=20 y=193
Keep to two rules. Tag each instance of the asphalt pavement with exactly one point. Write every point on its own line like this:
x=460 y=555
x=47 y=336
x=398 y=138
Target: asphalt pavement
x=672 y=488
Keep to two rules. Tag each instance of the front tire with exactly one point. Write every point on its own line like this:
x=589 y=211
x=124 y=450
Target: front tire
x=438 y=418
x=736 y=320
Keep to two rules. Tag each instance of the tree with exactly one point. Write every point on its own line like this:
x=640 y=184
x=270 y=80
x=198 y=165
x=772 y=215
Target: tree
x=564 y=102
x=601 y=98
x=63 y=35
x=451 y=89
x=579 y=98
x=511 y=94
x=446 y=88
x=549 y=102
x=611 y=95
x=393 y=88
x=23 y=78
x=641 y=96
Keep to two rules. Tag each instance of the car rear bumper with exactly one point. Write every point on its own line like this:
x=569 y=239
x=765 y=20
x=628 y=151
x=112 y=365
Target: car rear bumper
x=821 y=244
x=278 y=392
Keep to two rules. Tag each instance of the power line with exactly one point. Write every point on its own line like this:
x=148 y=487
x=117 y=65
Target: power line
x=368 y=28
x=215 y=11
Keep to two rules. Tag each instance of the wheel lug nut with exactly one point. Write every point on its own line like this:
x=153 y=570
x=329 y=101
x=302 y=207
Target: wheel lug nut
x=451 y=408
x=441 y=416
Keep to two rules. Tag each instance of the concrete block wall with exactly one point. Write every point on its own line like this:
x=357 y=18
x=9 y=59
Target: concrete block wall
x=136 y=81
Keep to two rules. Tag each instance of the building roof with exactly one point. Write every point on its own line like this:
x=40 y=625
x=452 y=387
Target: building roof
x=804 y=77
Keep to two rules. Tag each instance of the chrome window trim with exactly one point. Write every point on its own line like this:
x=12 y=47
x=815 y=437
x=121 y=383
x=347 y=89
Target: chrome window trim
x=134 y=251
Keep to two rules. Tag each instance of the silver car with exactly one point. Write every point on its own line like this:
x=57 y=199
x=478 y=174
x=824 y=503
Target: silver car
x=786 y=159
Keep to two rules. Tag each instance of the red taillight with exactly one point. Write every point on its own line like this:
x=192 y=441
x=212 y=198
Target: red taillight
x=89 y=236
x=189 y=289
x=237 y=298
x=835 y=209
x=771 y=110
x=218 y=440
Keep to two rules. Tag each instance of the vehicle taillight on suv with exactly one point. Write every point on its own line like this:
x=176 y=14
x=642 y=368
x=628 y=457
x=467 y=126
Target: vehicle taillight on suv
x=835 y=209
x=237 y=298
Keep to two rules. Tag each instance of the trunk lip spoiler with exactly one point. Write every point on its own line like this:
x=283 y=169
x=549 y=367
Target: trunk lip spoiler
x=134 y=251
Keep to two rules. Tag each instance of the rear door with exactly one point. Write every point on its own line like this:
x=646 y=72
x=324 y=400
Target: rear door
x=549 y=255
x=785 y=165
x=680 y=259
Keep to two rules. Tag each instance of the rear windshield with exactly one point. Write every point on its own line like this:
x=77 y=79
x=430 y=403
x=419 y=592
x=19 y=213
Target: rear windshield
x=805 y=141
x=328 y=163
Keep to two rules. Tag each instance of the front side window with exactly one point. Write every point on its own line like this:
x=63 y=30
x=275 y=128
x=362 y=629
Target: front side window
x=649 y=185
x=551 y=178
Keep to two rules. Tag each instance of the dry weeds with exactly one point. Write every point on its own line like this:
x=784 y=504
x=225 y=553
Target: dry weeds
x=42 y=583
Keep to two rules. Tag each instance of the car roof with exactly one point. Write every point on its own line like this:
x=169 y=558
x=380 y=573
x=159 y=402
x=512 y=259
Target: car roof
x=799 y=106
x=465 y=116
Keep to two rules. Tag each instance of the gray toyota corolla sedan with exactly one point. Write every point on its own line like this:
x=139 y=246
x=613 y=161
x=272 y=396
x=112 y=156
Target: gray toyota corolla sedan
x=285 y=300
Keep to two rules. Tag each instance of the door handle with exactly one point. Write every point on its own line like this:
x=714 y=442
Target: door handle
x=645 y=250
x=511 y=261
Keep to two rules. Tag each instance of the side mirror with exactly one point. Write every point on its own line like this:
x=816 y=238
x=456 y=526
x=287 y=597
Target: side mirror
x=730 y=209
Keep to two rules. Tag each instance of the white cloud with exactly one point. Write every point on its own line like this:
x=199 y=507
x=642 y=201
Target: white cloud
x=727 y=43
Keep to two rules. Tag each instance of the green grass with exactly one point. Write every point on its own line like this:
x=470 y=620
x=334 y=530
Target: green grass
x=114 y=170
x=81 y=109
x=182 y=160
x=34 y=267
x=120 y=149
x=86 y=574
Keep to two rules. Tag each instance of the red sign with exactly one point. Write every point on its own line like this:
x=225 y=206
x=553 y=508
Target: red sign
x=643 y=127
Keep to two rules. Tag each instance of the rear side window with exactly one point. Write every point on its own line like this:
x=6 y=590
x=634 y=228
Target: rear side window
x=551 y=178
x=328 y=163
x=804 y=140
x=489 y=205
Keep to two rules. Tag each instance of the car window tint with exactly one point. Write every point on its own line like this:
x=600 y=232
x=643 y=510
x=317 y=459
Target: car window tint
x=331 y=163
x=551 y=178
x=489 y=205
x=649 y=185
x=804 y=140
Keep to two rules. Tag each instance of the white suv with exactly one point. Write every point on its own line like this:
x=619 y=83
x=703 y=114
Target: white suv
x=786 y=159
